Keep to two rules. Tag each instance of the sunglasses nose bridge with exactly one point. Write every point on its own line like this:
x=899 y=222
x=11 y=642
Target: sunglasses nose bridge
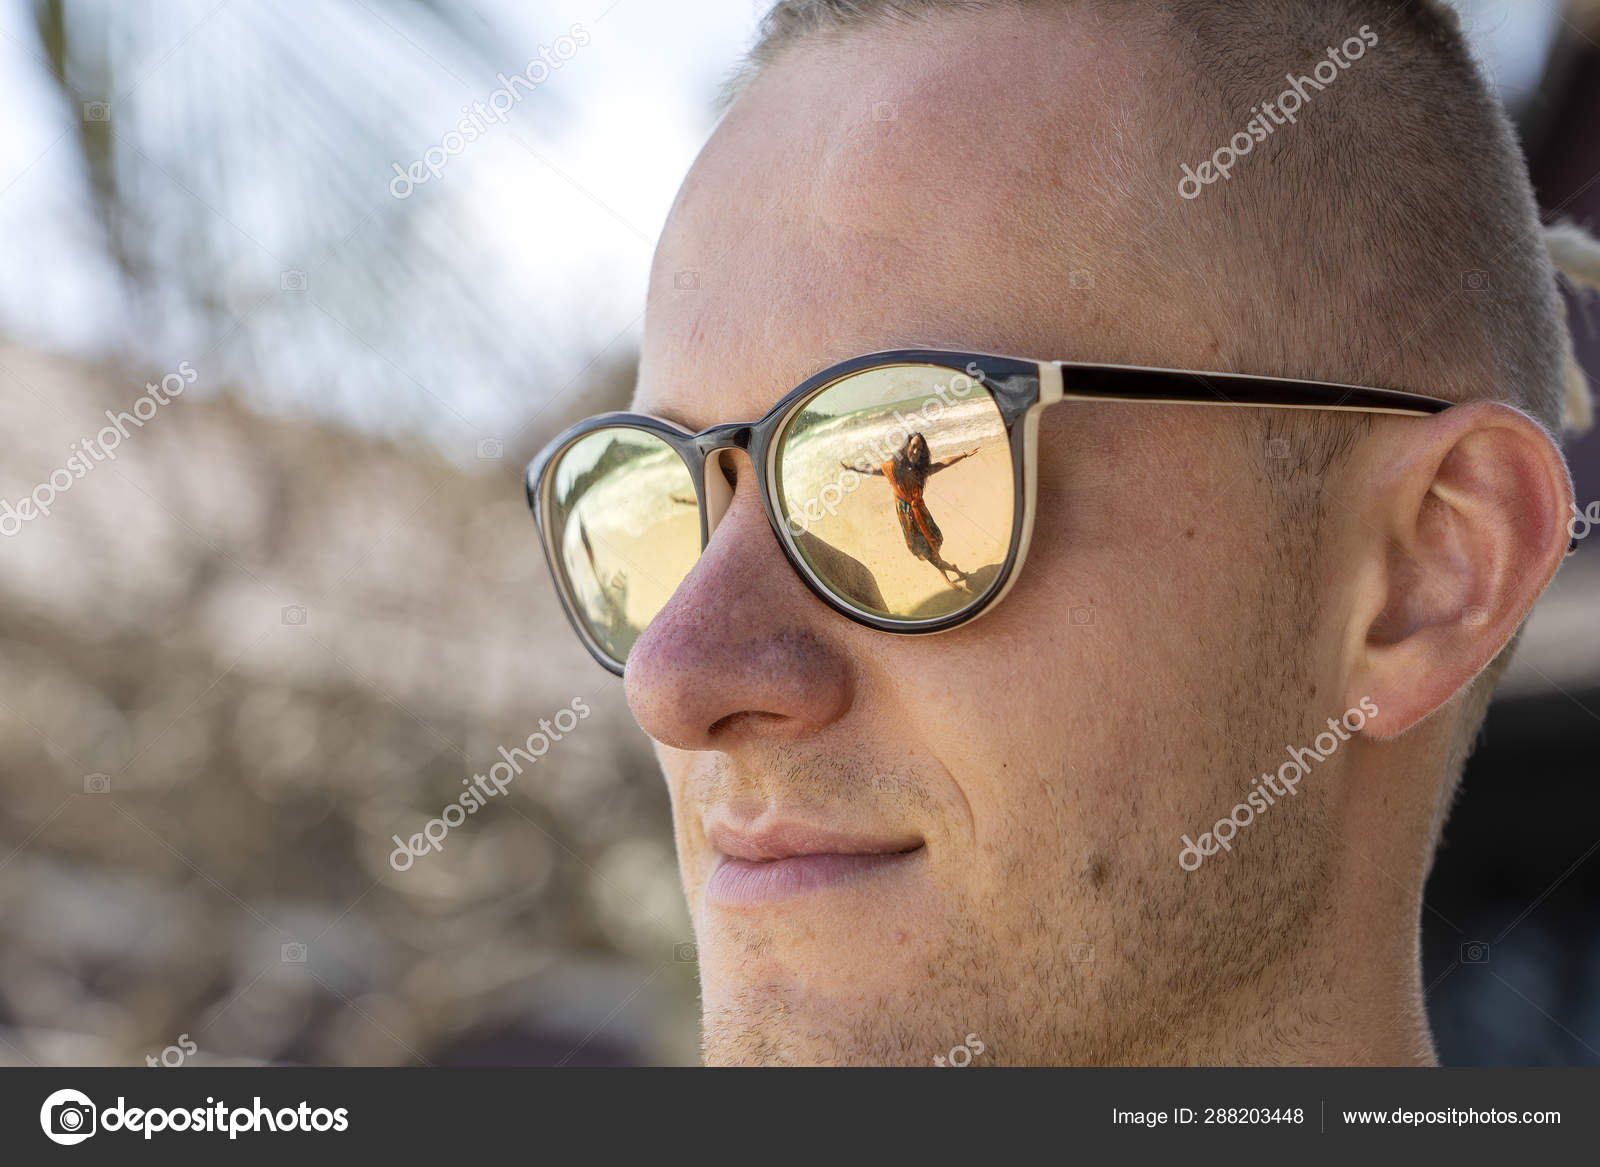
x=718 y=494
x=732 y=436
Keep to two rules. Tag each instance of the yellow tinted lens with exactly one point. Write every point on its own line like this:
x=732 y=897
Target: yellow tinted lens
x=896 y=488
x=626 y=529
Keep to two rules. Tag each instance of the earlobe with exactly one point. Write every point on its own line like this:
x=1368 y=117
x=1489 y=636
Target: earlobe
x=1464 y=527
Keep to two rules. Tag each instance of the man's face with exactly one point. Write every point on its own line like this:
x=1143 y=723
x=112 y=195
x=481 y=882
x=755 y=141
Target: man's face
x=889 y=843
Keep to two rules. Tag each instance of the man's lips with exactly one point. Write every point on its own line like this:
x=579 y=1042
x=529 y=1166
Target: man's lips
x=784 y=860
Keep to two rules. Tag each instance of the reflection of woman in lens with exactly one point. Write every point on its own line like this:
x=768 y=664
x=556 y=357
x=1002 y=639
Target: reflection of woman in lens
x=907 y=473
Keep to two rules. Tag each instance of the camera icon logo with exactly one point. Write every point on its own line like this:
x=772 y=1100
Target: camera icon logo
x=686 y=281
x=293 y=280
x=96 y=111
x=1080 y=953
x=1277 y=447
x=294 y=952
x=1080 y=279
x=685 y=953
x=67 y=1117
x=294 y=616
x=1475 y=952
x=885 y=111
x=1082 y=616
x=489 y=449
x=97 y=784
x=1474 y=281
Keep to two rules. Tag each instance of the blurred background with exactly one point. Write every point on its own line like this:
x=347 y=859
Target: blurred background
x=301 y=602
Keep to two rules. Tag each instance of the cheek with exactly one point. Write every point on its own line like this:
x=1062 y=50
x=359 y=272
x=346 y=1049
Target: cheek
x=1080 y=720
x=1013 y=712
x=677 y=768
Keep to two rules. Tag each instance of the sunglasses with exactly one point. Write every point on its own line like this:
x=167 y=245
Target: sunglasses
x=900 y=485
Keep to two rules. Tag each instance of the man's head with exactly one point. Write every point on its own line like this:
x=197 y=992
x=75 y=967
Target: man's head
x=1210 y=593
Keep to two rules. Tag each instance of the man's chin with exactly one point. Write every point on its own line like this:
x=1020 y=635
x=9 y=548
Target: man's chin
x=847 y=1008
x=861 y=971
x=761 y=1030
x=826 y=957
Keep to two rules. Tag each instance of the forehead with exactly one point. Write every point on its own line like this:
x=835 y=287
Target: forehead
x=883 y=189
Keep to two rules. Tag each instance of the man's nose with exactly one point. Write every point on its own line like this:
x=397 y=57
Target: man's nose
x=742 y=650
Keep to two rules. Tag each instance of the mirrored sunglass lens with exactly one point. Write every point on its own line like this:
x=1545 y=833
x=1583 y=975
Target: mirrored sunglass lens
x=626 y=528
x=896 y=487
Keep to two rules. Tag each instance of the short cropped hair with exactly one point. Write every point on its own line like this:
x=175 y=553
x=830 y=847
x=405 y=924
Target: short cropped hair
x=1396 y=240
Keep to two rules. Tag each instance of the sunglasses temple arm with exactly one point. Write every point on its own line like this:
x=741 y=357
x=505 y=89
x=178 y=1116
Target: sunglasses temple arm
x=1181 y=387
x=1062 y=380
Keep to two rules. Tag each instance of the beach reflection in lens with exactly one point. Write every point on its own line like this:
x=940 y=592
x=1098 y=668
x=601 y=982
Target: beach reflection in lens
x=627 y=529
x=905 y=473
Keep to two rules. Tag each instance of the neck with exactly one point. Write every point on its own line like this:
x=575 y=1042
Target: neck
x=1354 y=997
x=1332 y=1025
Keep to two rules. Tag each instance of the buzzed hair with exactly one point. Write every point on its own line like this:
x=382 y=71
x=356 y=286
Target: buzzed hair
x=1391 y=237
x=1388 y=237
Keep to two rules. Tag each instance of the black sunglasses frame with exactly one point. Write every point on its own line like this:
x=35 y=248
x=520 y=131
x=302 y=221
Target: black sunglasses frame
x=1020 y=389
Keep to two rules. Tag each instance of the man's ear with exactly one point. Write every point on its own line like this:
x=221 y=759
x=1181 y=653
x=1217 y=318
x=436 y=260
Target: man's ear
x=1463 y=522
